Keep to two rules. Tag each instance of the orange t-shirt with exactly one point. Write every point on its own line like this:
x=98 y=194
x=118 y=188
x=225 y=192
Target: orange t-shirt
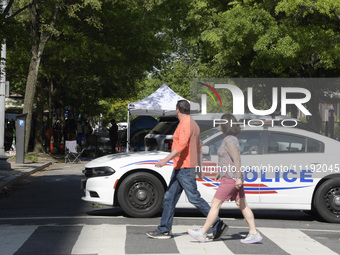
x=187 y=142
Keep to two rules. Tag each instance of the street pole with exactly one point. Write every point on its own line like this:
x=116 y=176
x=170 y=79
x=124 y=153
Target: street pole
x=4 y=165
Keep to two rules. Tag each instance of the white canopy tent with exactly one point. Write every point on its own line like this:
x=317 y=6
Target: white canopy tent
x=160 y=103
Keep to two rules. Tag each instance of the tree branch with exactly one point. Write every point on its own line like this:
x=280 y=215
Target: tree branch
x=8 y=7
x=22 y=9
x=46 y=35
x=337 y=15
x=55 y=13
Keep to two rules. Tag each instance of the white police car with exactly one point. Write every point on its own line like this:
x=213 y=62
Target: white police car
x=285 y=169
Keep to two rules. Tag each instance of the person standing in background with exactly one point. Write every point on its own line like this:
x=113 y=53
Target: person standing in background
x=113 y=132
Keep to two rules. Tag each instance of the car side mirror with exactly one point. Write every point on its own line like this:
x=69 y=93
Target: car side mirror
x=205 y=150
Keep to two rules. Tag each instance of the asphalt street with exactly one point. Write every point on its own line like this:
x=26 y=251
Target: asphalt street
x=44 y=214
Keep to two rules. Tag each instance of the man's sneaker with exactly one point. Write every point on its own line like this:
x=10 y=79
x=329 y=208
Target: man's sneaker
x=252 y=238
x=220 y=229
x=197 y=234
x=159 y=235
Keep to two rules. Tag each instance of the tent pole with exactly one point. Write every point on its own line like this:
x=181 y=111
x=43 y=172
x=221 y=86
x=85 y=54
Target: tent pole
x=128 y=133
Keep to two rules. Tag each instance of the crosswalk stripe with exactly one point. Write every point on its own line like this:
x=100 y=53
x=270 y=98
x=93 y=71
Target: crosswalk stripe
x=13 y=237
x=296 y=242
x=101 y=239
x=107 y=239
x=187 y=245
x=113 y=241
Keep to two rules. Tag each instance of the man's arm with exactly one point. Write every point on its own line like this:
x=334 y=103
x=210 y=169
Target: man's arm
x=183 y=142
x=162 y=162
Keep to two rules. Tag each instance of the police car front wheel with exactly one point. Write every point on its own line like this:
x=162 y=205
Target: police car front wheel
x=141 y=195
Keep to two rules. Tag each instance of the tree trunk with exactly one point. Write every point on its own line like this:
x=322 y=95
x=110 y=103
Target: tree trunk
x=39 y=123
x=40 y=39
x=32 y=77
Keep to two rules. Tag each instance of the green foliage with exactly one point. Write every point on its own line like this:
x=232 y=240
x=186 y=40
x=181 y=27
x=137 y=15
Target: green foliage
x=176 y=75
x=104 y=54
x=31 y=158
x=99 y=51
x=265 y=39
x=115 y=109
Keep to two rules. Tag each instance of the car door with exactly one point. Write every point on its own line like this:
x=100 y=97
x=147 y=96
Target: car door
x=285 y=171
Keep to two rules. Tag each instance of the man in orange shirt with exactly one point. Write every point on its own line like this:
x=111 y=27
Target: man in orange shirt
x=186 y=155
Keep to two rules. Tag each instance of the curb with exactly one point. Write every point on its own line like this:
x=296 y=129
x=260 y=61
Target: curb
x=14 y=178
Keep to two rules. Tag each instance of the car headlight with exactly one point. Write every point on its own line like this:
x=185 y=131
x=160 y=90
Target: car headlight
x=98 y=171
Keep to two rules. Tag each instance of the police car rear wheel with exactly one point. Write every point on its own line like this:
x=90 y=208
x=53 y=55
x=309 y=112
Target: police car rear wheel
x=141 y=195
x=327 y=200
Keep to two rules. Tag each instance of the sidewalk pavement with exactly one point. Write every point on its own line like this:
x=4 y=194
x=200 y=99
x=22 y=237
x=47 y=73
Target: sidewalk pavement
x=20 y=171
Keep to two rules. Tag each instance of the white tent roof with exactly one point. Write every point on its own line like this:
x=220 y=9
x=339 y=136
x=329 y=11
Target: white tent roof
x=160 y=103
